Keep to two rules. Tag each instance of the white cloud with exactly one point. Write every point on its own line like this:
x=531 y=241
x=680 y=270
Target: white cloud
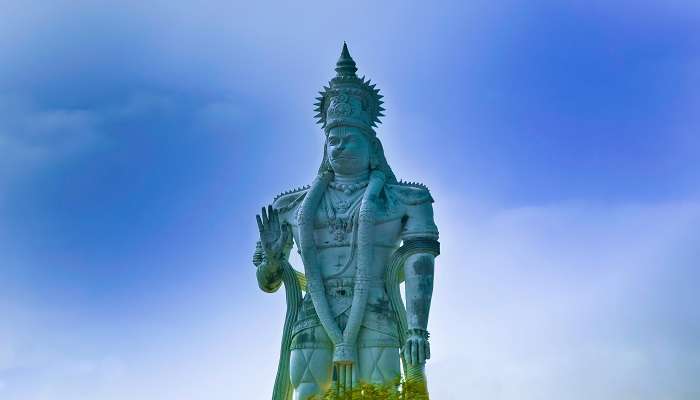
x=566 y=301
x=31 y=136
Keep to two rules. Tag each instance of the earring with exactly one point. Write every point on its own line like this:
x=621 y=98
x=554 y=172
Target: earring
x=373 y=163
x=374 y=157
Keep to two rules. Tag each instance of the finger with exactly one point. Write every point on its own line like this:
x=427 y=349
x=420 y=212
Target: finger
x=271 y=215
x=348 y=377
x=407 y=351
x=260 y=224
x=277 y=216
x=421 y=352
x=341 y=377
x=337 y=379
x=265 y=220
x=284 y=238
x=427 y=350
x=414 y=354
x=278 y=224
x=285 y=232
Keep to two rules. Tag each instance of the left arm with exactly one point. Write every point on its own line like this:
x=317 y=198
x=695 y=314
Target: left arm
x=419 y=271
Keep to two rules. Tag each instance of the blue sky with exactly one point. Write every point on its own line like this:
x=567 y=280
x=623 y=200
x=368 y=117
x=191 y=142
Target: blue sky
x=558 y=138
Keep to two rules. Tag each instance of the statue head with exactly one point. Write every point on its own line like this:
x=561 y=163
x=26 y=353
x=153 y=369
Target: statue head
x=349 y=110
x=349 y=150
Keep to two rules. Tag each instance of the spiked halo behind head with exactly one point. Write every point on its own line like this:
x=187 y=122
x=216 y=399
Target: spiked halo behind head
x=349 y=100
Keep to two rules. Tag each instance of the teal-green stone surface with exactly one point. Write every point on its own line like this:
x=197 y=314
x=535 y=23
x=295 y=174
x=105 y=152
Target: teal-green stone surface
x=361 y=233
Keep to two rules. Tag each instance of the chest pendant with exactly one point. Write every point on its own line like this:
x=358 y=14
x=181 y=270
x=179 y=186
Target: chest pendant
x=338 y=225
x=341 y=216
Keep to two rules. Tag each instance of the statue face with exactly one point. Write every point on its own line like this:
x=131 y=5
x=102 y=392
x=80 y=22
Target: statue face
x=348 y=150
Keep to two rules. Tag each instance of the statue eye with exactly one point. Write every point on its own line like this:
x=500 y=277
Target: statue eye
x=333 y=141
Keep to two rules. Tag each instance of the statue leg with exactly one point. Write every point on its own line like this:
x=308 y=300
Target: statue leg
x=379 y=363
x=311 y=363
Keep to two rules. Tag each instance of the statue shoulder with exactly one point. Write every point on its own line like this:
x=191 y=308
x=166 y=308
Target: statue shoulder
x=288 y=200
x=417 y=208
x=410 y=193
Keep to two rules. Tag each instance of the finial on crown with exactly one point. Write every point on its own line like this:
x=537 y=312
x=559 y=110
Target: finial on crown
x=345 y=65
x=349 y=100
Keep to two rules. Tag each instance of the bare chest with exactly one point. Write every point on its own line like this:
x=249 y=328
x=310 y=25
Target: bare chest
x=336 y=230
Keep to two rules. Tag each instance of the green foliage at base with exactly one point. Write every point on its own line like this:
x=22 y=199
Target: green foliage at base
x=401 y=390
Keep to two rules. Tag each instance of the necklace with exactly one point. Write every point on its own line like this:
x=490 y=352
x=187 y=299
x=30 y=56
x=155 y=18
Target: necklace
x=341 y=213
x=347 y=188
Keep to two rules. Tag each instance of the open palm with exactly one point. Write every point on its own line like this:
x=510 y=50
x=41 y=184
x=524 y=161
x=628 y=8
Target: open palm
x=273 y=235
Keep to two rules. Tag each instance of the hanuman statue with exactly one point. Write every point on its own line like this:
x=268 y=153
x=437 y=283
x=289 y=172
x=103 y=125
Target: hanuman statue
x=360 y=233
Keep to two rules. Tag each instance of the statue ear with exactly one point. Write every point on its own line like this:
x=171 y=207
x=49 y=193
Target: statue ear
x=374 y=154
x=325 y=164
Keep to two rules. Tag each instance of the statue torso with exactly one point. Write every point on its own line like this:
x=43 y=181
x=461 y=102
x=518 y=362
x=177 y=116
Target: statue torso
x=335 y=227
x=336 y=242
x=335 y=234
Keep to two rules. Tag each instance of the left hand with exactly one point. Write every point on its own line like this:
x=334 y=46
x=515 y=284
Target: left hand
x=416 y=350
x=273 y=234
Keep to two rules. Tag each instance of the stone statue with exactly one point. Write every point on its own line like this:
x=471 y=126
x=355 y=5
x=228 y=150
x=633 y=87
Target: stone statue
x=360 y=233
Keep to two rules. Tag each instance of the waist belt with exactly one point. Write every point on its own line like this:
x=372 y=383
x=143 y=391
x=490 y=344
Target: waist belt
x=345 y=286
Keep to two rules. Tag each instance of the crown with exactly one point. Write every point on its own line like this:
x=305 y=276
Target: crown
x=349 y=100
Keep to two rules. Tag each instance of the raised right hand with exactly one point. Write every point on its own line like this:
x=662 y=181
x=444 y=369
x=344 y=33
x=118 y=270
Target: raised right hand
x=273 y=235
